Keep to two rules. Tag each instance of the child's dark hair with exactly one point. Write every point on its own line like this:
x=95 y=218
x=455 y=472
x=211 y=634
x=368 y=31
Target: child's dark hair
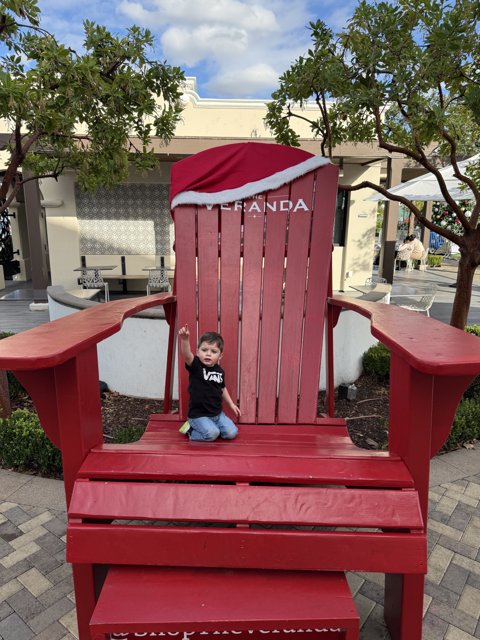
x=212 y=337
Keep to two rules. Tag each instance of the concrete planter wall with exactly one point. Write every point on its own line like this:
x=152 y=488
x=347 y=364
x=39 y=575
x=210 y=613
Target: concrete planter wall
x=132 y=361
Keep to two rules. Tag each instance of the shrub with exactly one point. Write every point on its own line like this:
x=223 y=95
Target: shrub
x=473 y=328
x=466 y=424
x=23 y=445
x=124 y=435
x=14 y=387
x=473 y=390
x=434 y=261
x=376 y=361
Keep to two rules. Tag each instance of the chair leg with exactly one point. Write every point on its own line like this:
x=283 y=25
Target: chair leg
x=107 y=294
x=84 y=582
x=404 y=605
x=148 y=289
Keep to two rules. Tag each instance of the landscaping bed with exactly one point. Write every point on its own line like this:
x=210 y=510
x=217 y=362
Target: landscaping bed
x=367 y=415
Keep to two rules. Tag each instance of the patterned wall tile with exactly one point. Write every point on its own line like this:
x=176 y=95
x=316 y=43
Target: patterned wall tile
x=130 y=219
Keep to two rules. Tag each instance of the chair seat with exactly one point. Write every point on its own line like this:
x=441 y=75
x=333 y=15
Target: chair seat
x=306 y=454
x=208 y=602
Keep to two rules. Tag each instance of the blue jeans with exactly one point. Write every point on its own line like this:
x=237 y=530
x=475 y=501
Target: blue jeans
x=207 y=429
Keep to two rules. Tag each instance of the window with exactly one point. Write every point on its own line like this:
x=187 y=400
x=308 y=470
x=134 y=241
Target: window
x=341 y=213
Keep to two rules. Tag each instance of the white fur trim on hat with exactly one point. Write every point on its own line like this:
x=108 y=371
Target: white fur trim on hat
x=250 y=188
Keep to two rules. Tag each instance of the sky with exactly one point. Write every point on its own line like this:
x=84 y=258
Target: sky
x=235 y=48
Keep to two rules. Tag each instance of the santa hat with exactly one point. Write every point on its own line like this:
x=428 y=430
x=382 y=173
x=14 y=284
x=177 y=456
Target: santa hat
x=237 y=171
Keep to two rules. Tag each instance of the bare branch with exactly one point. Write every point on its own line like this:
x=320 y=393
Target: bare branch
x=420 y=156
x=9 y=199
x=456 y=171
x=366 y=184
x=28 y=26
x=440 y=95
x=388 y=146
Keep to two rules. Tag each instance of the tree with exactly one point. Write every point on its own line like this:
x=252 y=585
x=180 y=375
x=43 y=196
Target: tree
x=93 y=111
x=406 y=75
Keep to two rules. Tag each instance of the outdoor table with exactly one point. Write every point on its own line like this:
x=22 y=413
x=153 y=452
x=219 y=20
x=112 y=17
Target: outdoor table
x=398 y=290
x=97 y=268
x=401 y=295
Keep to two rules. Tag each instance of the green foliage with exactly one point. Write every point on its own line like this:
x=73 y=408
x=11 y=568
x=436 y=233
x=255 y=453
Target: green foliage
x=124 y=435
x=474 y=329
x=376 y=361
x=473 y=390
x=23 y=445
x=82 y=111
x=434 y=261
x=466 y=424
x=403 y=75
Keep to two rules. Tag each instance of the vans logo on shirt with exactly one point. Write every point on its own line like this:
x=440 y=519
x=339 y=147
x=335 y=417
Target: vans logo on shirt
x=213 y=376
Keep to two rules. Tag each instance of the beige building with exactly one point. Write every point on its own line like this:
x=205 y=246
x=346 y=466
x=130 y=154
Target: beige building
x=133 y=220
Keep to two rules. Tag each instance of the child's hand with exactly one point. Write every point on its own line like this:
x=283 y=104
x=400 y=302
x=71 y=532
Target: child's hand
x=184 y=332
x=235 y=410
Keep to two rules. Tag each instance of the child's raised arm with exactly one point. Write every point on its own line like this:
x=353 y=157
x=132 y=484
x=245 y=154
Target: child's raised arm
x=185 y=349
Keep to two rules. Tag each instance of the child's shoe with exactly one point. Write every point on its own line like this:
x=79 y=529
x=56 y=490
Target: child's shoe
x=185 y=428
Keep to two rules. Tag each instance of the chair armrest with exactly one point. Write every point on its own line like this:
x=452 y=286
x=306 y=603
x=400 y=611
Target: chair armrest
x=56 y=342
x=431 y=365
x=426 y=344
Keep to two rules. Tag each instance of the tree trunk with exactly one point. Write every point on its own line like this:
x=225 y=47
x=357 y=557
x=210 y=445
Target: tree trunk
x=5 y=406
x=461 y=303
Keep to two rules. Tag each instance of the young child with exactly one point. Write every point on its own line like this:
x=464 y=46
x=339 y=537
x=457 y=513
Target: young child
x=206 y=420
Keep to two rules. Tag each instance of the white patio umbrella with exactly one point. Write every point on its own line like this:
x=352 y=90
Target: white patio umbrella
x=426 y=189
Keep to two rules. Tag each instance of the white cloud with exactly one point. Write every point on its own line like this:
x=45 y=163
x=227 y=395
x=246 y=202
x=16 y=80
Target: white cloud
x=251 y=80
x=242 y=45
x=248 y=15
x=236 y=48
x=190 y=46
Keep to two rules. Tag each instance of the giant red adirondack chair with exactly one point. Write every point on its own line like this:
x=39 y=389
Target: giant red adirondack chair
x=250 y=536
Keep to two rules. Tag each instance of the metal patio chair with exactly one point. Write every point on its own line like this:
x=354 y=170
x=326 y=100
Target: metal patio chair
x=92 y=279
x=423 y=303
x=158 y=279
x=374 y=280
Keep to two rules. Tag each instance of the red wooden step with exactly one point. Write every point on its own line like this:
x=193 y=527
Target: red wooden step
x=290 y=506
x=204 y=603
x=137 y=462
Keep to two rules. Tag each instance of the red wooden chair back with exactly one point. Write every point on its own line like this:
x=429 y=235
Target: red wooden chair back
x=258 y=272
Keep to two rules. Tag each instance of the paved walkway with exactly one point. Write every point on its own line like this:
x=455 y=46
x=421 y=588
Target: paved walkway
x=36 y=591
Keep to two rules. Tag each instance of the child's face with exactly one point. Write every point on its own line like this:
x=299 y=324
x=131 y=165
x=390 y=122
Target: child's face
x=208 y=353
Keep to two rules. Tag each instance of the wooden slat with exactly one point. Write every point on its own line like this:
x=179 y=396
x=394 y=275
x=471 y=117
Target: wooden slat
x=275 y=241
x=207 y=225
x=186 y=276
x=247 y=548
x=247 y=504
x=251 y=297
x=279 y=449
x=151 y=465
x=230 y=295
x=317 y=287
x=173 y=599
x=295 y=283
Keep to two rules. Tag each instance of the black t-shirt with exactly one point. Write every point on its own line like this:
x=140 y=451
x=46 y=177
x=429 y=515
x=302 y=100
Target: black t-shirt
x=205 y=389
